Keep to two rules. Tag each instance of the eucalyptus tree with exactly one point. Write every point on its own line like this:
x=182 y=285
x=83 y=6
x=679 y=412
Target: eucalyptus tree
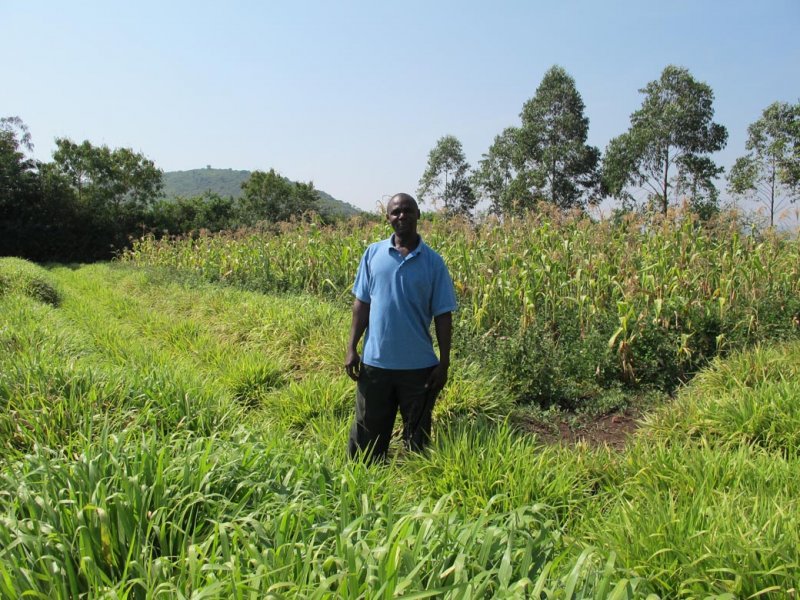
x=546 y=157
x=695 y=181
x=446 y=179
x=560 y=166
x=668 y=141
x=496 y=179
x=770 y=171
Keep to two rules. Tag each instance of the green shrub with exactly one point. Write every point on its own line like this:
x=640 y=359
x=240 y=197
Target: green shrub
x=554 y=365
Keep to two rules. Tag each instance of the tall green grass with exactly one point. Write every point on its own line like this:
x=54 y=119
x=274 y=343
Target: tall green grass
x=751 y=398
x=696 y=521
x=167 y=439
x=707 y=501
x=206 y=517
x=20 y=277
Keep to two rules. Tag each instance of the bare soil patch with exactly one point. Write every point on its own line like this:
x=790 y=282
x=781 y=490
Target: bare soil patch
x=613 y=429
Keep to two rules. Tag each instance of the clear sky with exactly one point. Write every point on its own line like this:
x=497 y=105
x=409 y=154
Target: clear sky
x=352 y=95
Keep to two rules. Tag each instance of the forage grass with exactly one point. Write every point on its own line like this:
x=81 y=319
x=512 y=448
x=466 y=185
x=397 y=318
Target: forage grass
x=485 y=464
x=706 y=501
x=471 y=395
x=750 y=398
x=141 y=516
x=299 y=403
x=695 y=521
x=18 y=276
x=167 y=438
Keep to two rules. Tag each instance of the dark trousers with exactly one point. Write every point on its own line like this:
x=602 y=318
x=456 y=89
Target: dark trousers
x=380 y=393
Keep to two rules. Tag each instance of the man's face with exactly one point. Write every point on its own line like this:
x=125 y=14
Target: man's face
x=402 y=214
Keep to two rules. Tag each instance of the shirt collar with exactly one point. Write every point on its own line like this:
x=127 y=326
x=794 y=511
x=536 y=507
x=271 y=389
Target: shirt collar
x=415 y=251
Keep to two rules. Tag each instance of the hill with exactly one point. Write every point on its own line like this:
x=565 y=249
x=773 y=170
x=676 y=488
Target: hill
x=228 y=182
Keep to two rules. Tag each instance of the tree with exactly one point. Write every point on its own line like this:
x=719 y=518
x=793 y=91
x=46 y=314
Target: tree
x=38 y=217
x=16 y=171
x=110 y=191
x=110 y=181
x=180 y=215
x=271 y=197
x=546 y=157
x=770 y=171
x=495 y=173
x=561 y=166
x=673 y=130
x=446 y=178
x=18 y=198
x=695 y=181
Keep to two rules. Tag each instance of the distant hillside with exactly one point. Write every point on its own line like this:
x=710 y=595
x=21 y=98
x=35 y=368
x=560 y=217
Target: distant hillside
x=227 y=182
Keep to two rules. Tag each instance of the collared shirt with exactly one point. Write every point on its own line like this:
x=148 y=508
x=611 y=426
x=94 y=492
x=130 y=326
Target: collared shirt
x=405 y=293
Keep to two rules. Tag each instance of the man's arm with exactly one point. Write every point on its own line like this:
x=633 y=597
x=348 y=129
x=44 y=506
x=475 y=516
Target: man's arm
x=444 y=334
x=358 y=326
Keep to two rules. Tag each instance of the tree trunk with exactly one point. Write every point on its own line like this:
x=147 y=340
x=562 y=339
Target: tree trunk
x=666 y=181
x=772 y=195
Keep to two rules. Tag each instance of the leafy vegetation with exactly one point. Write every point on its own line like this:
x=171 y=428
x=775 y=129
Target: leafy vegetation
x=546 y=158
x=90 y=200
x=566 y=310
x=445 y=181
x=18 y=276
x=165 y=437
x=82 y=205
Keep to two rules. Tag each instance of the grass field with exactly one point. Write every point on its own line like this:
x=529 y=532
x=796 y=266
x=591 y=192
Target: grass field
x=166 y=438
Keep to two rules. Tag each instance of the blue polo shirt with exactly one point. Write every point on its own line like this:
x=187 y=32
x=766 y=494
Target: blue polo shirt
x=404 y=294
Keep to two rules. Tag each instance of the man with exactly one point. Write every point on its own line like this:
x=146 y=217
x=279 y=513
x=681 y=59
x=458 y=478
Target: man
x=401 y=285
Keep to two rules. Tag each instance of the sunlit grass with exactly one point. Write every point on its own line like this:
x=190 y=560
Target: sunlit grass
x=695 y=520
x=166 y=439
x=751 y=398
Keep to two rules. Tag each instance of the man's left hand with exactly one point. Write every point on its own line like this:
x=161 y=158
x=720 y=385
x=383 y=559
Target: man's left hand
x=437 y=378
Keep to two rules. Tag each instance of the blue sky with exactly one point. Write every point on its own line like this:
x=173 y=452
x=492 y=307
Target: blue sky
x=353 y=95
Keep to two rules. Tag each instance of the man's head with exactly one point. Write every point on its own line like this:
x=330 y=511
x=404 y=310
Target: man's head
x=402 y=213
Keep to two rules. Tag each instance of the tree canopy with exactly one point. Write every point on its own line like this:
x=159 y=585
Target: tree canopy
x=546 y=157
x=92 y=199
x=16 y=170
x=670 y=134
x=770 y=171
x=271 y=197
x=446 y=178
x=111 y=180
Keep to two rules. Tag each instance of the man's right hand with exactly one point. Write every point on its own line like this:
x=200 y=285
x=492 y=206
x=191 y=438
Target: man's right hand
x=352 y=364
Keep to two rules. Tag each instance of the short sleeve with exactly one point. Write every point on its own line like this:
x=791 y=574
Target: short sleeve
x=444 y=294
x=361 y=284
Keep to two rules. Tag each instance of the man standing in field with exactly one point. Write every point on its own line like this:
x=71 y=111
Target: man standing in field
x=401 y=286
